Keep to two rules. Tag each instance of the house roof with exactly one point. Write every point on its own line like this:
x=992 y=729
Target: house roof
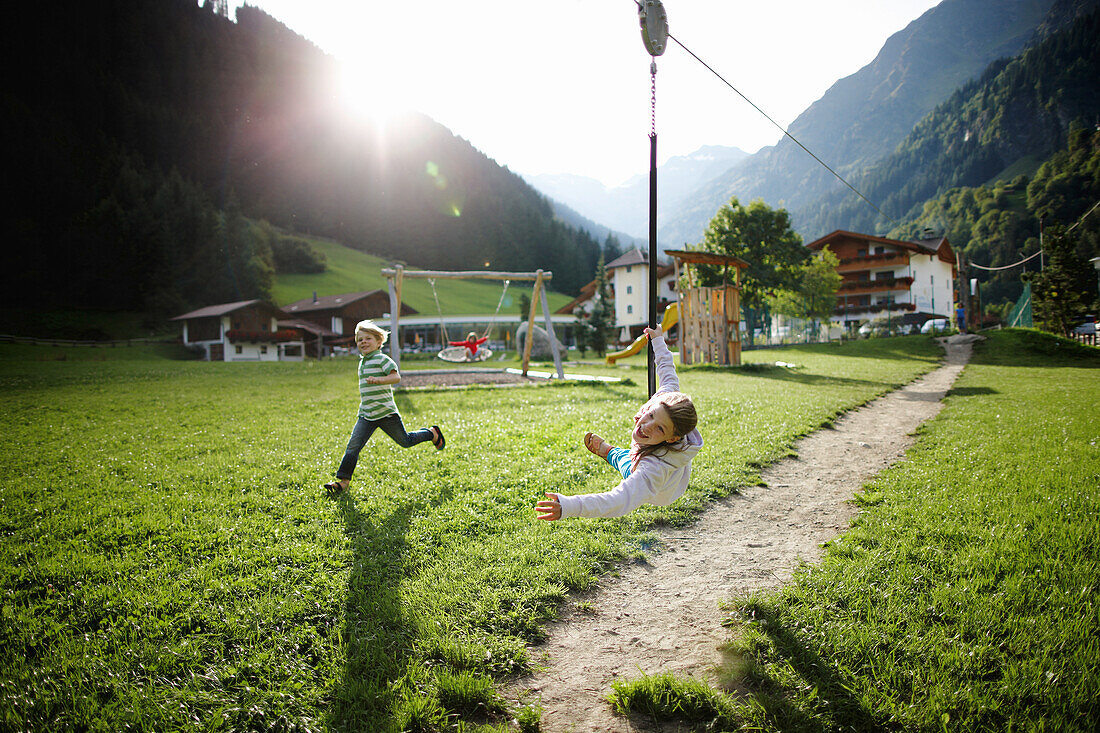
x=327 y=302
x=630 y=257
x=587 y=292
x=308 y=327
x=224 y=308
x=930 y=246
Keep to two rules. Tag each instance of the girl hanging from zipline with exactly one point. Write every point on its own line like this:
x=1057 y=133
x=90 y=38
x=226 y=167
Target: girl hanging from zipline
x=657 y=467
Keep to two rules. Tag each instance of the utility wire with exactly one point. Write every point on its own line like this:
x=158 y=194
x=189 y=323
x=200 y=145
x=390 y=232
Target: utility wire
x=1005 y=267
x=1083 y=217
x=1031 y=257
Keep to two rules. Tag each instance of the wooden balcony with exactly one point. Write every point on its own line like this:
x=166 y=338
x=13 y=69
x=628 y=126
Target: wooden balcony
x=867 y=262
x=866 y=287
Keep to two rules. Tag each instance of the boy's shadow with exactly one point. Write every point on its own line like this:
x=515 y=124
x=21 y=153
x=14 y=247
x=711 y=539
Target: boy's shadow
x=376 y=632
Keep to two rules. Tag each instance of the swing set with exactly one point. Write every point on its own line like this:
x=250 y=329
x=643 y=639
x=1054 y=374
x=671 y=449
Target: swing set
x=395 y=277
x=461 y=352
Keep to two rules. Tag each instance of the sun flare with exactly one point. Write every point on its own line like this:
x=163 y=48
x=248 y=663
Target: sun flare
x=366 y=92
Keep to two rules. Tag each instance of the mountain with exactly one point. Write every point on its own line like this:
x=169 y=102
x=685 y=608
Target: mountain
x=1018 y=113
x=599 y=232
x=142 y=136
x=864 y=116
x=626 y=207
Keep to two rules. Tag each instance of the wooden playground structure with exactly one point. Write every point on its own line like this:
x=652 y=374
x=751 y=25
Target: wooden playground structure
x=710 y=317
x=396 y=275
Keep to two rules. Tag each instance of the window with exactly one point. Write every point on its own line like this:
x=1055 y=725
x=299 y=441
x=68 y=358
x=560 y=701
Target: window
x=628 y=268
x=630 y=309
x=861 y=253
x=238 y=349
x=263 y=349
x=629 y=289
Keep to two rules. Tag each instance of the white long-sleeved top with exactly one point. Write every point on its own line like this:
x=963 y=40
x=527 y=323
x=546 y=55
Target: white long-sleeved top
x=655 y=480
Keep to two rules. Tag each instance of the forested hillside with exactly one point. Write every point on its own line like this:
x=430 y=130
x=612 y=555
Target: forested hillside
x=143 y=134
x=998 y=225
x=1017 y=114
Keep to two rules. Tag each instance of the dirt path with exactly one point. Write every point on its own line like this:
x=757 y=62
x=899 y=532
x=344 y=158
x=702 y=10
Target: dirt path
x=663 y=615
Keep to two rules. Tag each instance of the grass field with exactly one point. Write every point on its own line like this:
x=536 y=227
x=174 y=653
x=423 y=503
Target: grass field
x=168 y=562
x=966 y=595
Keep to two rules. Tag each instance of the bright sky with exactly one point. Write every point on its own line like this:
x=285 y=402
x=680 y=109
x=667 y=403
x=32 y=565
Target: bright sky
x=564 y=87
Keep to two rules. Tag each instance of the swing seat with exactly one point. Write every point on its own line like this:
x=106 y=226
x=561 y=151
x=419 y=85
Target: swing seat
x=460 y=354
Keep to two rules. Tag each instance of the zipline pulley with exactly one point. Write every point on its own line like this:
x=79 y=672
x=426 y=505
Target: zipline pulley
x=654 y=22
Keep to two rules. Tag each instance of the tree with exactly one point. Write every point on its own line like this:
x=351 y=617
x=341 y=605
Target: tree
x=601 y=322
x=763 y=237
x=815 y=298
x=1061 y=292
x=580 y=333
x=612 y=249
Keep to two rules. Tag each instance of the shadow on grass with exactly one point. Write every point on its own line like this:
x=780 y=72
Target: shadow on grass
x=798 y=376
x=845 y=710
x=376 y=633
x=970 y=391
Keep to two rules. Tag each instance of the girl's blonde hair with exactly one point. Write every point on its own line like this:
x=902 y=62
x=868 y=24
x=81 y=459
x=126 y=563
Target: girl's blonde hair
x=369 y=327
x=681 y=412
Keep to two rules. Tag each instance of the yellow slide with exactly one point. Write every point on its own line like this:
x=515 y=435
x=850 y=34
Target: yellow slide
x=672 y=314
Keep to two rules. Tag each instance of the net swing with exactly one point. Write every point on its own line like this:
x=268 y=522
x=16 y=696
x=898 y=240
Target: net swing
x=470 y=349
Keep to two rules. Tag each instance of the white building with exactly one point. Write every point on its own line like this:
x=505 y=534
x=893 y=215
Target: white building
x=629 y=279
x=247 y=330
x=891 y=280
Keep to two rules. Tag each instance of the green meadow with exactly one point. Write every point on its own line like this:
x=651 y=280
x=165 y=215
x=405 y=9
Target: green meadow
x=169 y=562
x=351 y=271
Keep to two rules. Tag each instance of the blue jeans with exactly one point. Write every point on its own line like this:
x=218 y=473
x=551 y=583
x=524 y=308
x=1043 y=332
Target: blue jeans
x=391 y=425
x=619 y=458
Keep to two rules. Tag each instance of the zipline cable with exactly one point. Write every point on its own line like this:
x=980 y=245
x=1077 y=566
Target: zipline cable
x=778 y=126
x=784 y=131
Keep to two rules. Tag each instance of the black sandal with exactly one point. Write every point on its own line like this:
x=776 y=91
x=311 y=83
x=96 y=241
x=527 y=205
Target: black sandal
x=441 y=443
x=333 y=487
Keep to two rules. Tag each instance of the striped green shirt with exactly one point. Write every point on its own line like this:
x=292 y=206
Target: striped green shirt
x=375 y=400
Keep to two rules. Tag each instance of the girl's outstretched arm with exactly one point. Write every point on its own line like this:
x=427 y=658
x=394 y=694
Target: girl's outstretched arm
x=549 y=508
x=662 y=360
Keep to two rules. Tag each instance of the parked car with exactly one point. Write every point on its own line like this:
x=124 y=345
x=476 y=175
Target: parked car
x=934 y=324
x=1088 y=327
x=874 y=327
